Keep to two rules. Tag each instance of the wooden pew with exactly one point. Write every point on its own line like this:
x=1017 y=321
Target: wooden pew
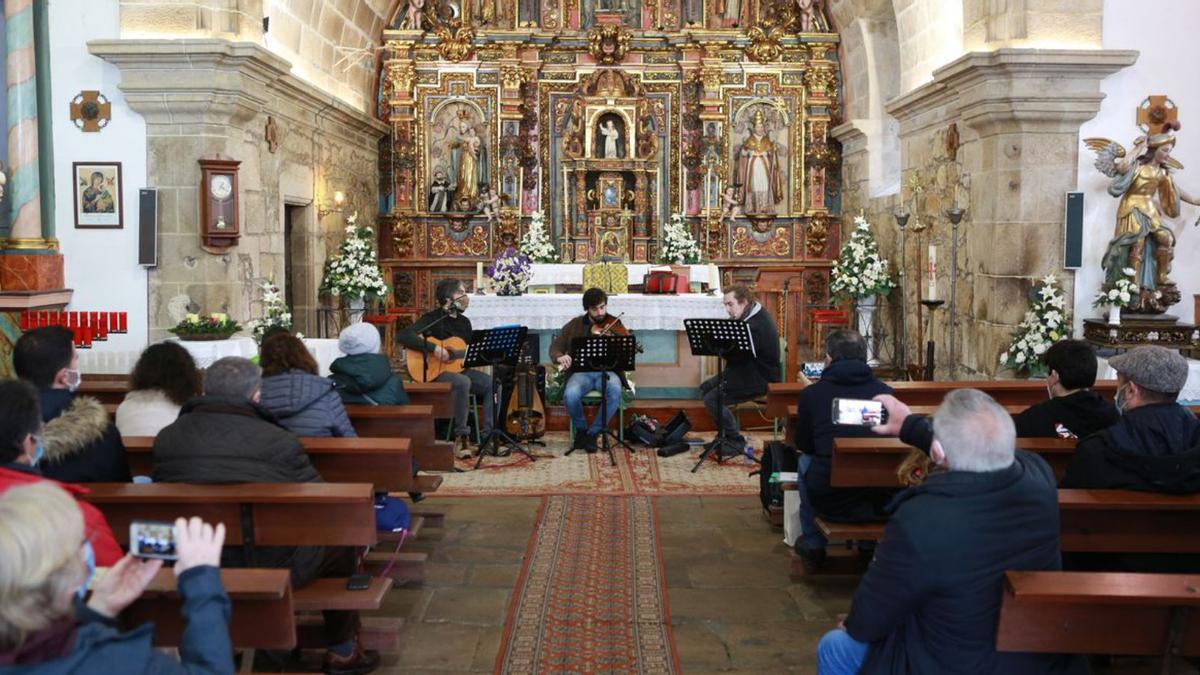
x=263 y=613
x=1099 y=613
x=386 y=463
x=793 y=410
x=107 y=391
x=872 y=462
x=435 y=394
x=1021 y=393
x=414 y=422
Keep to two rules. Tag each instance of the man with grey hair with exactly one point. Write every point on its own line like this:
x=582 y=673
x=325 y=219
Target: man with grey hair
x=224 y=436
x=930 y=601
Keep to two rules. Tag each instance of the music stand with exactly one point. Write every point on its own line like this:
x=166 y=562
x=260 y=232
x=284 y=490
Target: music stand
x=496 y=347
x=604 y=354
x=721 y=338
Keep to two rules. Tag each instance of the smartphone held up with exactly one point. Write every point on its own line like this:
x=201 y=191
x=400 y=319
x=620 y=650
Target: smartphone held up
x=150 y=539
x=858 y=412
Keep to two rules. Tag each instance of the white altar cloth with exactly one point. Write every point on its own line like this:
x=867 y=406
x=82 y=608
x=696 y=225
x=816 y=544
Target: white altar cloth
x=205 y=352
x=541 y=311
x=1191 y=390
x=552 y=274
x=324 y=351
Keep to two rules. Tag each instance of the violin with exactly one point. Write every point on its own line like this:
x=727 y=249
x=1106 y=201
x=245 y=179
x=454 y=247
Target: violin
x=611 y=325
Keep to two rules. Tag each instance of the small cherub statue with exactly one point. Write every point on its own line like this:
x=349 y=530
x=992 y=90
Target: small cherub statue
x=489 y=203
x=729 y=199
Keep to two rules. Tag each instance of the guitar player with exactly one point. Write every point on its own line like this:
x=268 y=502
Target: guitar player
x=445 y=322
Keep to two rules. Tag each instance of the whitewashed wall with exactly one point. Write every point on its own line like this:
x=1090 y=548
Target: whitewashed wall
x=101 y=265
x=1167 y=65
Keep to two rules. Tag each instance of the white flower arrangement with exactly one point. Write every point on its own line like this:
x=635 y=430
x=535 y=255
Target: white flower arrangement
x=354 y=271
x=1121 y=293
x=679 y=246
x=1046 y=322
x=859 y=271
x=536 y=244
x=275 y=311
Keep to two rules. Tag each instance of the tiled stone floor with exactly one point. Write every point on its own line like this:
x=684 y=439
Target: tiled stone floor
x=732 y=606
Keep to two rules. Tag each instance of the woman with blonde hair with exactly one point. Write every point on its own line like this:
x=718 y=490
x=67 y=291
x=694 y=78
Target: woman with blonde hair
x=46 y=567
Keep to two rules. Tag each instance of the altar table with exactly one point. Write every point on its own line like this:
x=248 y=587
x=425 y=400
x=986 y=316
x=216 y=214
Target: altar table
x=552 y=311
x=547 y=274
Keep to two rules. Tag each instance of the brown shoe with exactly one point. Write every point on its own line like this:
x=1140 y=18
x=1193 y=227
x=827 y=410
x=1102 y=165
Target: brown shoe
x=359 y=662
x=462 y=447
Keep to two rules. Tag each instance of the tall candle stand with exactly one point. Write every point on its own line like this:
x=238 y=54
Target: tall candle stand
x=955 y=215
x=930 y=345
x=902 y=223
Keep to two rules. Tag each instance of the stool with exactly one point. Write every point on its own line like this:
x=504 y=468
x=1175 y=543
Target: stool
x=472 y=414
x=593 y=398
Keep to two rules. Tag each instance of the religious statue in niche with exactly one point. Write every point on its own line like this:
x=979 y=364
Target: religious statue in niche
x=468 y=163
x=809 y=14
x=1143 y=181
x=529 y=13
x=693 y=12
x=629 y=10
x=759 y=169
x=439 y=193
x=414 y=16
x=610 y=137
x=728 y=13
x=489 y=203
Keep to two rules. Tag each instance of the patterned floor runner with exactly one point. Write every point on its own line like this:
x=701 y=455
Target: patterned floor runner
x=592 y=596
x=638 y=473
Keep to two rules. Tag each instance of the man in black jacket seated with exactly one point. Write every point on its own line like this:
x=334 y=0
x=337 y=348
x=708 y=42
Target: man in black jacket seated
x=224 y=436
x=846 y=375
x=1074 y=410
x=930 y=601
x=746 y=374
x=1155 y=447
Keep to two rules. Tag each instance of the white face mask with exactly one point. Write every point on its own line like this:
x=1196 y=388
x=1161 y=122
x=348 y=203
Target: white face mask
x=1119 y=399
x=73 y=379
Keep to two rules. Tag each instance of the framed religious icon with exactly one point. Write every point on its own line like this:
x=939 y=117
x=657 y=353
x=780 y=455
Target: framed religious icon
x=98 y=202
x=219 y=223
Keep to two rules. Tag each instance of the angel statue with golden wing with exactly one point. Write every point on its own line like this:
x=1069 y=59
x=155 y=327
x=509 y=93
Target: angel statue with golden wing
x=1143 y=181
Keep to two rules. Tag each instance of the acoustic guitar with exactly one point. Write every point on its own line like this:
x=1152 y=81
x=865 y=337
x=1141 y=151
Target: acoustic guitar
x=434 y=366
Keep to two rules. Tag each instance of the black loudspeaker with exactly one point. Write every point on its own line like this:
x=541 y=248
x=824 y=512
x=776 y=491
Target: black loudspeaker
x=1073 y=232
x=148 y=227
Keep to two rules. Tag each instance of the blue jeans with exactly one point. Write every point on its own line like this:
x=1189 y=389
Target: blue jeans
x=840 y=654
x=810 y=537
x=582 y=384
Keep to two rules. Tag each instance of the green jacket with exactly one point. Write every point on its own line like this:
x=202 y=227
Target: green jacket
x=367 y=379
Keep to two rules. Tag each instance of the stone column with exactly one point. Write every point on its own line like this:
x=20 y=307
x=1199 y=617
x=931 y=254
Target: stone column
x=24 y=189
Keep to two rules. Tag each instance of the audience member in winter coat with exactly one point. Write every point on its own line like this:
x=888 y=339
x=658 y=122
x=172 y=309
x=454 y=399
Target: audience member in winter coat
x=303 y=402
x=364 y=376
x=164 y=378
x=81 y=445
x=1074 y=410
x=45 y=568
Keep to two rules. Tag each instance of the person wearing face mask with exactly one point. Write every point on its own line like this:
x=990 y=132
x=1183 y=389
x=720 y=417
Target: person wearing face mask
x=47 y=569
x=81 y=444
x=1074 y=410
x=21 y=451
x=444 y=322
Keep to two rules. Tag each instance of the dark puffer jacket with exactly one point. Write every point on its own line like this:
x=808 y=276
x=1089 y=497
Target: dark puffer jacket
x=305 y=404
x=82 y=446
x=1082 y=413
x=219 y=440
x=367 y=379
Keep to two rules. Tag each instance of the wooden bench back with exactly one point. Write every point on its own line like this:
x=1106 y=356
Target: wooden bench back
x=384 y=462
x=255 y=514
x=1129 y=522
x=872 y=462
x=263 y=616
x=1097 y=613
x=1021 y=393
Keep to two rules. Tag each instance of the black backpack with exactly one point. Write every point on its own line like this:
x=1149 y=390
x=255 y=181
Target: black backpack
x=776 y=456
x=646 y=430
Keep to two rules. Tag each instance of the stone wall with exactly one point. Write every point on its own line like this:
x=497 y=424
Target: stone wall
x=212 y=98
x=990 y=24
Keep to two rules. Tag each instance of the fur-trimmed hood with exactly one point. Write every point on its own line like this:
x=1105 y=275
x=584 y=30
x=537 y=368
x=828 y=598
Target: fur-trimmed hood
x=82 y=423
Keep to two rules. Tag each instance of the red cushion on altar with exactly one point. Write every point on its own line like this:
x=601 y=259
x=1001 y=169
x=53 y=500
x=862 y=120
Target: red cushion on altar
x=380 y=319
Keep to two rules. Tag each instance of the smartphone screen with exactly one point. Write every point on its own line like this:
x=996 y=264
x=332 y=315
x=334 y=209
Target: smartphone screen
x=149 y=539
x=858 y=412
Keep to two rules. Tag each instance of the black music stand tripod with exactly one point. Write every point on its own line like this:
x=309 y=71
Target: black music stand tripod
x=721 y=338
x=604 y=354
x=496 y=347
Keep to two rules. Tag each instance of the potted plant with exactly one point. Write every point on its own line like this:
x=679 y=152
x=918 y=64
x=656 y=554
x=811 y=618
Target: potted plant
x=860 y=274
x=216 y=326
x=510 y=272
x=275 y=312
x=353 y=272
x=1121 y=293
x=536 y=244
x=679 y=246
x=1046 y=322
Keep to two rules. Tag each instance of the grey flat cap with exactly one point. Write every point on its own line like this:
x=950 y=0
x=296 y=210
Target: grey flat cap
x=1153 y=367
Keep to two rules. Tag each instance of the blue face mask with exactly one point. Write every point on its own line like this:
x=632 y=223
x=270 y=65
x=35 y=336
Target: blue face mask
x=39 y=452
x=89 y=559
x=1119 y=399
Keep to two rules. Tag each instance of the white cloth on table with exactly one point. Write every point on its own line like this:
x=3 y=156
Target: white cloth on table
x=546 y=274
x=1191 y=389
x=540 y=311
x=325 y=351
x=206 y=352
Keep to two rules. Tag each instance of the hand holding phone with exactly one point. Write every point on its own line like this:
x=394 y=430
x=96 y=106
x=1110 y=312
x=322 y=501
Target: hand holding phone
x=858 y=412
x=152 y=539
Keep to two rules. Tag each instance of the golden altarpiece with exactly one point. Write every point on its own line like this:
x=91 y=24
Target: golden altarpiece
x=609 y=116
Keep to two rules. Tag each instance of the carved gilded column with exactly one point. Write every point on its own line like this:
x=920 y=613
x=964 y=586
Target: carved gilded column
x=401 y=81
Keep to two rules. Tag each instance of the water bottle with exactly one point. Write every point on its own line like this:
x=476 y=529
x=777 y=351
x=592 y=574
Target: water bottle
x=749 y=454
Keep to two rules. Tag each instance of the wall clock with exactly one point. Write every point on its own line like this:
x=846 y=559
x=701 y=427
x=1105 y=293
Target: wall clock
x=220 y=226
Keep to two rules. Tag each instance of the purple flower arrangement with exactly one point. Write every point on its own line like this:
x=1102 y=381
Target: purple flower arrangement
x=510 y=272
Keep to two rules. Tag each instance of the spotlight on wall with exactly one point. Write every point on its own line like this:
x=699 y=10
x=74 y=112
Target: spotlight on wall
x=339 y=202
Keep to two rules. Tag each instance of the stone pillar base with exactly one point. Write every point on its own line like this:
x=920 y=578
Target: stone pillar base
x=30 y=271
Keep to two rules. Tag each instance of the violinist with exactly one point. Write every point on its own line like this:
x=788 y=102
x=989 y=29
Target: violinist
x=594 y=321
